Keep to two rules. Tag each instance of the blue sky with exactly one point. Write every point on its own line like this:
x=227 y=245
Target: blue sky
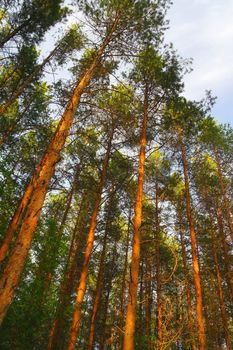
x=203 y=30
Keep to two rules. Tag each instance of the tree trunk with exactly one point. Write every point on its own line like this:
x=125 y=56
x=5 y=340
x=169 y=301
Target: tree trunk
x=38 y=187
x=56 y=336
x=99 y=277
x=123 y=284
x=148 y=300
x=196 y=271
x=186 y=273
x=69 y=201
x=53 y=253
x=106 y=302
x=14 y=32
x=26 y=83
x=226 y=253
x=15 y=222
x=134 y=270
x=89 y=245
x=223 y=191
x=219 y=282
x=97 y=296
x=12 y=127
x=140 y=329
x=158 y=277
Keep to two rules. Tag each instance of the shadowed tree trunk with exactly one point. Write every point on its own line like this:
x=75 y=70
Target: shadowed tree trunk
x=124 y=275
x=186 y=273
x=103 y=339
x=27 y=82
x=99 y=277
x=148 y=300
x=158 y=272
x=219 y=281
x=14 y=32
x=57 y=336
x=195 y=263
x=224 y=195
x=89 y=245
x=226 y=253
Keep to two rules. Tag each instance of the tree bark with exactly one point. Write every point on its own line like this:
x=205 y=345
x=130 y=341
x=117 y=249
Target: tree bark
x=26 y=83
x=148 y=299
x=15 y=222
x=157 y=269
x=186 y=273
x=123 y=284
x=14 y=32
x=224 y=195
x=195 y=263
x=99 y=279
x=38 y=187
x=134 y=270
x=141 y=325
x=56 y=336
x=89 y=245
x=103 y=340
x=226 y=253
x=219 y=282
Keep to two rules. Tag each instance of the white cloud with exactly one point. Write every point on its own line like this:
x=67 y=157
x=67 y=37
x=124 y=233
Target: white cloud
x=203 y=30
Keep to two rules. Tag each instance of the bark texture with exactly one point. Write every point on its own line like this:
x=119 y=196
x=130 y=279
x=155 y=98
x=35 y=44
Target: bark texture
x=186 y=273
x=195 y=262
x=38 y=187
x=89 y=245
x=134 y=268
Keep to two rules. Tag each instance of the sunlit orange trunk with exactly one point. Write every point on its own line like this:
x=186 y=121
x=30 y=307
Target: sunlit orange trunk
x=219 y=281
x=195 y=263
x=226 y=253
x=89 y=245
x=39 y=184
x=44 y=171
x=186 y=273
x=134 y=271
x=99 y=281
x=56 y=337
x=224 y=195
x=158 y=277
x=15 y=222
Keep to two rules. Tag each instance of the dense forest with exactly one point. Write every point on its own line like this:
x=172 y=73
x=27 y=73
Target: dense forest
x=116 y=204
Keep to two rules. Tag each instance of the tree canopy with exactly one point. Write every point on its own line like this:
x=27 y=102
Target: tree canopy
x=116 y=203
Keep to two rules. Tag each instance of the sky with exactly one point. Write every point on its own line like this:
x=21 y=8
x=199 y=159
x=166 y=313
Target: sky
x=203 y=30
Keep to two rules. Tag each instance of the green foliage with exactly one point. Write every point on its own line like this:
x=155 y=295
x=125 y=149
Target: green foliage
x=136 y=68
x=72 y=41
